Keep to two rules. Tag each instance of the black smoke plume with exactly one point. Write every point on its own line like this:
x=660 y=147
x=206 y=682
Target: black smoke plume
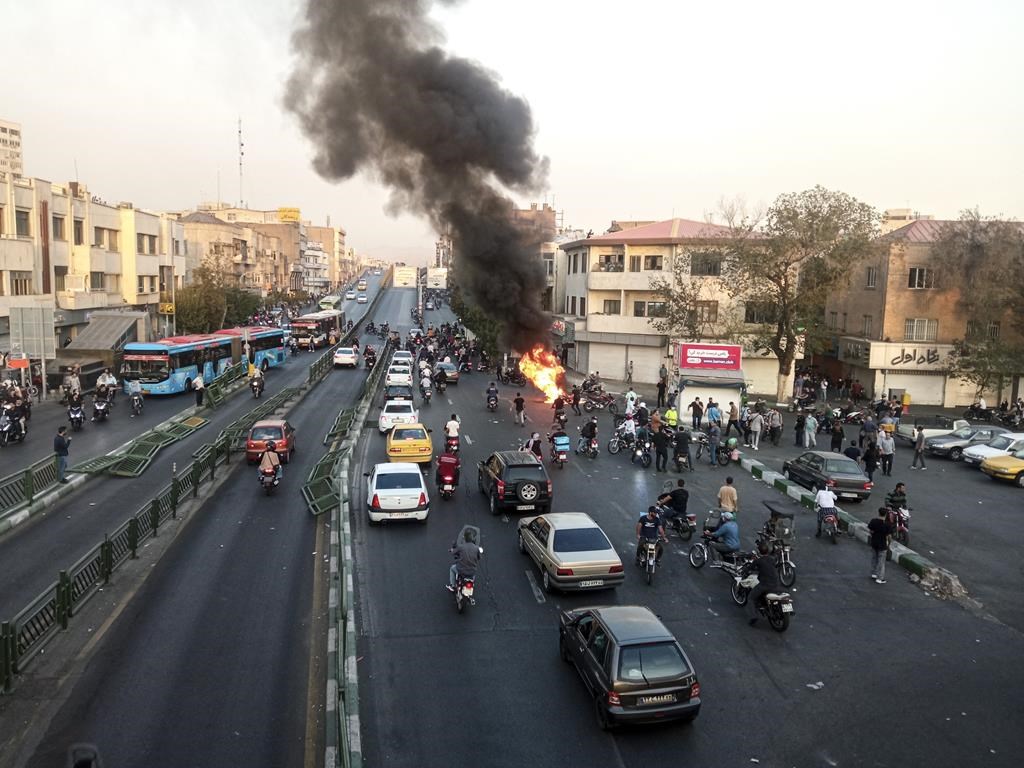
x=374 y=91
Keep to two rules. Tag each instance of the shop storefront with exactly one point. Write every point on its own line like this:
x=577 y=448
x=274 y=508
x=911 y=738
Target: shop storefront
x=893 y=369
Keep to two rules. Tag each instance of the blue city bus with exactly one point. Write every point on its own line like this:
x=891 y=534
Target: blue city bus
x=168 y=366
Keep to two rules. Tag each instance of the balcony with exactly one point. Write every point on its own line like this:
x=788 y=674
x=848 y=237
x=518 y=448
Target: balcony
x=620 y=324
x=624 y=281
x=87 y=300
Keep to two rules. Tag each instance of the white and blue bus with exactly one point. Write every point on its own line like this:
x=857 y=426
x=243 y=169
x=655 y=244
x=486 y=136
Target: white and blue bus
x=314 y=330
x=168 y=366
x=331 y=302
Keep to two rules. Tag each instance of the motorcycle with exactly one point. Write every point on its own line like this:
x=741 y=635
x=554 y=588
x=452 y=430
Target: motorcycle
x=426 y=393
x=777 y=607
x=620 y=441
x=561 y=418
x=780 y=544
x=704 y=444
x=464 y=586
x=978 y=413
x=451 y=443
x=702 y=552
x=369 y=361
x=899 y=523
x=588 y=447
x=447 y=484
x=600 y=401
x=830 y=524
x=559 y=450
x=76 y=416
x=641 y=453
x=682 y=525
x=802 y=403
x=269 y=480
x=100 y=410
x=136 y=404
x=492 y=403
x=256 y=385
x=10 y=429
x=442 y=386
x=370 y=327
x=648 y=559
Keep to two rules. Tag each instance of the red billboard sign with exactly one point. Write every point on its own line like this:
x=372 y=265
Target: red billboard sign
x=710 y=357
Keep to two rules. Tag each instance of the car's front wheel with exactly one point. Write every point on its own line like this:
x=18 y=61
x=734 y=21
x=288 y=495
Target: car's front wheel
x=955 y=454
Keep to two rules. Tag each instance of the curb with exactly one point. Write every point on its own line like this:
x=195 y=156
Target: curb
x=929 y=574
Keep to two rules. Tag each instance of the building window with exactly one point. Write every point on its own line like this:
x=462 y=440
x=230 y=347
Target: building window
x=639 y=309
x=140 y=243
x=833 y=320
x=58 y=228
x=980 y=331
x=706 y=311
x=21 y=284
x=96 y=281
x=872 y=278
x=921 y=277
x=176 y=247
x=656 y=309
x=1 y=282
x=634 y=263
x=566 y=310
x=612 y=307
x=60 y=278
x=843 y=326
x=1 y=219
x=140 y=286
x=97 y=237
x=865 y=326
x=572 y=305
x=610 y=262
x=152 y=284
x=549 y=265
x=758 y=312
x=583 y=305
x=21 y=225
x=706 y=265
x=79 y=231
x=920 y=329
x=652 y=262
x=584 y=258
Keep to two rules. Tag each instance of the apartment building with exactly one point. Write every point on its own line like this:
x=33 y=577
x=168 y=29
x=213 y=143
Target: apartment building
x=332 y=243
x=894 y=326
x=254 y=259
x=63 y=248
x=607 y=313
x=11 y=160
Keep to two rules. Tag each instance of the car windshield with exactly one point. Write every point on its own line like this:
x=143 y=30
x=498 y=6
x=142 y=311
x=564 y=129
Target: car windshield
x=265 y=433
x=446 y=367
x=526 y=472
x=1000 y=443
x=646 y=663
x=963 y=432
x=842 y=466
x=580 y=540
x=398 y=481
x=405 y=433
x=398 y=408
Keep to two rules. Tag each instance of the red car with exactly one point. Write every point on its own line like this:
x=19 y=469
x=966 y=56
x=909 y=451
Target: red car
x=277 y=430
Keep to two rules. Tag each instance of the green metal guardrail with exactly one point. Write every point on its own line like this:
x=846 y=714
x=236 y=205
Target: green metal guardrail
x=49 y=613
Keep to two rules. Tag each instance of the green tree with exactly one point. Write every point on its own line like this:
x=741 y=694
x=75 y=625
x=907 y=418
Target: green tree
x=988 y=364
x=239 y=306
x=200 y=308
x=686 y=313
x=486 y=329
x=787 y=264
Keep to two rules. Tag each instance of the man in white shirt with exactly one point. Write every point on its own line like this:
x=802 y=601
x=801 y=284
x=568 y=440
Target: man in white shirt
x=451 y=429
x=825 y=502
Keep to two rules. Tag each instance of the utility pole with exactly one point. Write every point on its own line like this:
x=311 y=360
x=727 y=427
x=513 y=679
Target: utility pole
x=241 y=155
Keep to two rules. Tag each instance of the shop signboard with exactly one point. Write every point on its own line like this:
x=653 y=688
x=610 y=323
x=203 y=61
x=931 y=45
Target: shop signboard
x=709 y=357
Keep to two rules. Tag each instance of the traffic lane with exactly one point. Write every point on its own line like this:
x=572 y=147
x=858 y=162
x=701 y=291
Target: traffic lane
x=407 y=648
x=961 y=519
x=235 y=591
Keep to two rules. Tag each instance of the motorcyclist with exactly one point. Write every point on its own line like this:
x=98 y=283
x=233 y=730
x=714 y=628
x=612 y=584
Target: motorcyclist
x=467 y=557
x=99 y=395
x=897 y=498
x=425 y=383
x=441 y=378
x=825 y=503
x=588 y=432
x=16 y=414
x=270 y=460
x=675 y=501
x=448 y=463
x=681 y=445
x=75 y=398
x=534 y=445
x=627 y=428
x=108 y=380
x=767 y=580
x=642 y=415
x=650 y=527
x=726 y=538
x=257 y=378
x=492 y=390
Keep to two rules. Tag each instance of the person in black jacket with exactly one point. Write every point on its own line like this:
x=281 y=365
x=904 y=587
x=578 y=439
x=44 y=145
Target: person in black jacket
x=767 y=580
x=61 y=443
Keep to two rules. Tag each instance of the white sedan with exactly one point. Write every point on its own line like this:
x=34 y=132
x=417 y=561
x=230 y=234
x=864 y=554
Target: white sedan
x=1001 y=445
x=361 y=299
x=346 y=357
x=350 y=295
x=398 y=374
x=396 y=491
x=403 y=356
x=397 y=412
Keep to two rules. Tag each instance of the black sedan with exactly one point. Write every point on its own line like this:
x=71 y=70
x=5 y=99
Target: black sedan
x=396 y=392
x=816 y=469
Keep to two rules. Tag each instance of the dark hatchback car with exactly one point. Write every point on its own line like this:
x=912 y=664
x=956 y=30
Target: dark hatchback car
x=396 y=392
x=515 y=480
x=843 y=475
x=633 y=667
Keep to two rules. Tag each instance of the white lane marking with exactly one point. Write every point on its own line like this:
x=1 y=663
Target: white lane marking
x=449 y=401
x=469 y=440
x=622 y=510
x=576 y=465
x=538 y=593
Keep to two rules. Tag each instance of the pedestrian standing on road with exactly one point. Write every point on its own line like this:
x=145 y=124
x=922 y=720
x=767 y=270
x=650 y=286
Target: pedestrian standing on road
x=671 y=417
x=697 y=411
x=838 y=435
x=576 y=399
x=661 y=393
x=886 y=452
x=660 y=440
x=880 y=532
x=714 y=412
x=824 y=389
x=629 y=373
x=630 y=401
x=61 y=443
x=734 y=420
x=199 y=386
x=520 y=407
x=663 y=374
x=775 y=426
x=672 y=395
x=756 y=426
x=714 y=438
x=871 y=458
x=728 y=499
x=919 y=449
x=656 y=421
x=798 y=430
x=810 y=431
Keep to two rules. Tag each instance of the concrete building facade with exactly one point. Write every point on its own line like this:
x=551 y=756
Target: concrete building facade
x=11 y=158
x=254 y=259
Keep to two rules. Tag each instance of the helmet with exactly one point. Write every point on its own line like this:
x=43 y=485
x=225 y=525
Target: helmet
x=643 y=405
x=271 y=445
x=594 y=419
x=726 y=517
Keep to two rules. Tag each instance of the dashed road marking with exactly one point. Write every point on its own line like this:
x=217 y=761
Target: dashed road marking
x=538 y=593
x=469 y=440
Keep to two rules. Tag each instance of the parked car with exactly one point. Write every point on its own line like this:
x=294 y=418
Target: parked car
x=398 y=373
x=813 y=469
x=1002 y=445
x=571 y=551
x=934 y=426
x=396 y=412
x=396 y=491
x=633 y=667
x=346 y=357
x=277 y=430
x=396 y=392
x=451 y=371
x=1006 y=468
x=410 y=442
x=953 y=444
x=515 y=480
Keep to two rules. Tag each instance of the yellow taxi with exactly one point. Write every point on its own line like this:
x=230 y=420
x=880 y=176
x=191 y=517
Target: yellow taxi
x=410 y=442
x=1006 y=468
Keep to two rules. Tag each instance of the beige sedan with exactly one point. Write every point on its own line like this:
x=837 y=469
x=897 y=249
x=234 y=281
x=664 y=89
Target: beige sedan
x=571 y=551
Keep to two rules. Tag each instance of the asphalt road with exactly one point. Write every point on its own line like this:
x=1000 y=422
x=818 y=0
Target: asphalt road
x=867 y=674
x=31 y=554
x=211 y=663
x=961 y=519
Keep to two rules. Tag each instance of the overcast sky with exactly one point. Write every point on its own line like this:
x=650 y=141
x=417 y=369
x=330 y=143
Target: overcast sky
x=646 y=109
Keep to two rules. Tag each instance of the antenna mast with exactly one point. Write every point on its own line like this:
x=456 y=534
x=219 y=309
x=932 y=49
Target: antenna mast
x=241 y=155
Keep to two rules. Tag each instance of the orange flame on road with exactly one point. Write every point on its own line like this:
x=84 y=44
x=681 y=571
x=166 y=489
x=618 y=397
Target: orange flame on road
x=541 y=367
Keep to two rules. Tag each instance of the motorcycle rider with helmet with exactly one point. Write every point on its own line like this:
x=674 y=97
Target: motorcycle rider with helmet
x=448 y=463
x=767 y=580
x=492 y=391
x=726 y=537
x=587 y=433
x=270 y=460
x=650 y=527
x=466 y=559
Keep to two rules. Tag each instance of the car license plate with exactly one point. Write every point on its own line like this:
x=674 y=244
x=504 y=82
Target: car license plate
x=592 y=583
x=667 y=698
x=848 y=495
x=787 y=607
x=525 y=506
x=448 y=487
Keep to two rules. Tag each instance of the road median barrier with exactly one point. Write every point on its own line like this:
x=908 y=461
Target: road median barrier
x=922 y=570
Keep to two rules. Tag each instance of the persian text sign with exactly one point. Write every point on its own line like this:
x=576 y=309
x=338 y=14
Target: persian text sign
x=719 y=357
